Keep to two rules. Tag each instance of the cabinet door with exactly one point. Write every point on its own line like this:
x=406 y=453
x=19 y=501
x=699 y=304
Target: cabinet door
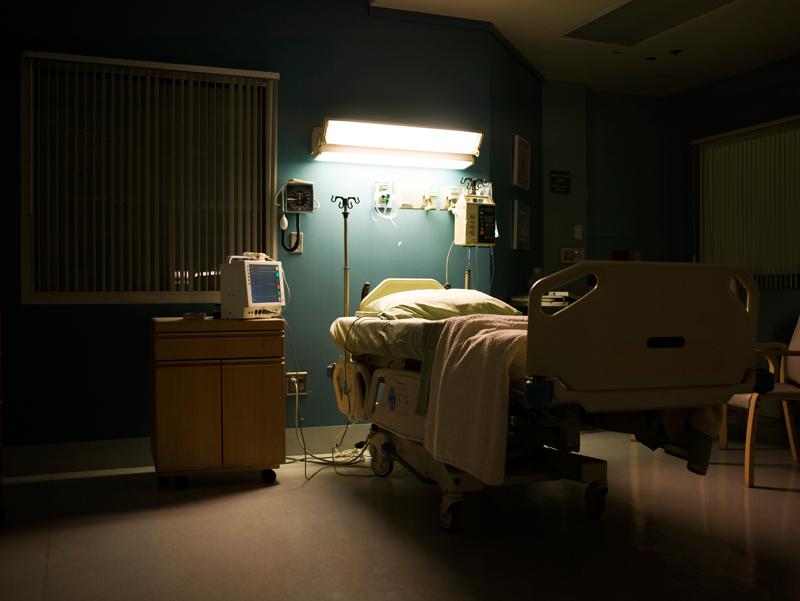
x=253 y=413
x=188 y=425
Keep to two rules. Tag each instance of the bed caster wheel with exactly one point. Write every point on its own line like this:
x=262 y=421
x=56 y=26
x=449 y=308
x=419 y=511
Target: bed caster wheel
x=595 y=498
x=268 y=476
x=181 y=482
x=450 y=517
x=381 y=466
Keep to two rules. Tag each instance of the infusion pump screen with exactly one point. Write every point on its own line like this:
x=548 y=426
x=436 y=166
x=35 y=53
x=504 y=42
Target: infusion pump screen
x=265 y=283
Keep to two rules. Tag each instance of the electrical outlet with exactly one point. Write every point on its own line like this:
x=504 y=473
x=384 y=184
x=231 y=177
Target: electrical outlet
x=302 y=382
x=571 y=255
x=292 y=238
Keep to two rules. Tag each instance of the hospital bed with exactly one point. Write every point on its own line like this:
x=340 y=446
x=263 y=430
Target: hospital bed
x=491 y=397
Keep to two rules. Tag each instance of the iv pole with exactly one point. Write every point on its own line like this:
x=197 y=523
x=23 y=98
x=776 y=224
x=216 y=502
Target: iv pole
x=346 y=203
x=472 y=187
x=468 y=271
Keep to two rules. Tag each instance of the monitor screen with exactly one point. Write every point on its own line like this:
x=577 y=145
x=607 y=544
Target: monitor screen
x=265 y=283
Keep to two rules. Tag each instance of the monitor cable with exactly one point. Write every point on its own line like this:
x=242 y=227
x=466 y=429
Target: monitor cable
x=355 y=460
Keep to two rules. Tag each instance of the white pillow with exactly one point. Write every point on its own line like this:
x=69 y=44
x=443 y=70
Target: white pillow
x=437 y=304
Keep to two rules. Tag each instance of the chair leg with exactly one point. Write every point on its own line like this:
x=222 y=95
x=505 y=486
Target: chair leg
x=750 y=440
x=791 y=429
x=723 y=430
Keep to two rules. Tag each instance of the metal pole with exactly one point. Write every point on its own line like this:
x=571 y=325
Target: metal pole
x=346 y=204
x=468 y=271
x=346 y=273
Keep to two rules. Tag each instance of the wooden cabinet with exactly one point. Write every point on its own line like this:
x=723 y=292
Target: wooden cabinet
x=219 y=400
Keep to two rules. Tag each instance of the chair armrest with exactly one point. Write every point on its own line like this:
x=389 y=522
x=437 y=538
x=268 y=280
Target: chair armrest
x=772 y=352
x=767 y=346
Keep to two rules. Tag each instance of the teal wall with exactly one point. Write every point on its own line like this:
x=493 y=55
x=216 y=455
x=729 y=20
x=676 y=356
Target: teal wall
x=564 y=149
x=83 y=372
x=516 y=109
x=624 y=136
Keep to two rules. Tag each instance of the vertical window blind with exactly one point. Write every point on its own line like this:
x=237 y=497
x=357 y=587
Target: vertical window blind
x=749 y=185
x=140 y=178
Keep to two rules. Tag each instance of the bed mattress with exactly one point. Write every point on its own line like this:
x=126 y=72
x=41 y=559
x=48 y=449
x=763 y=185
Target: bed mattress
x=395 y=338
x=410 y=338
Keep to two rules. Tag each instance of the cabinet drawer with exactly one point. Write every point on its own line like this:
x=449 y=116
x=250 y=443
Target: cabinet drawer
x=225 y=345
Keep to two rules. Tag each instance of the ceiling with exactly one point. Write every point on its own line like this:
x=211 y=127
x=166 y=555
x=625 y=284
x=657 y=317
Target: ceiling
x=659 y=47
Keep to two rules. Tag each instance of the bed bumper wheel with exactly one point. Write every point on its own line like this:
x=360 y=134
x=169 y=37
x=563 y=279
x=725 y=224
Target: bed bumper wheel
x=595 y=498
x=380 y=464
x=450 y=512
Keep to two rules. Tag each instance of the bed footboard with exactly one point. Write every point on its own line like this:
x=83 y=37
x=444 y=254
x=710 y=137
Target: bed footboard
x=646 y=336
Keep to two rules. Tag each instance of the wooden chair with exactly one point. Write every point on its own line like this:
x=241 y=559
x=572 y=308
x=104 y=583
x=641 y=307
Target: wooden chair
x=784 y=363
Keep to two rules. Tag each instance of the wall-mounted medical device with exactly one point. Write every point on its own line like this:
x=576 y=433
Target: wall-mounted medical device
x=475 y=216
x=252 y=287
x=296 y=196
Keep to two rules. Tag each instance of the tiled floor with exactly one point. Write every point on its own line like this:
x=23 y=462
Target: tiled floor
x=666 y=534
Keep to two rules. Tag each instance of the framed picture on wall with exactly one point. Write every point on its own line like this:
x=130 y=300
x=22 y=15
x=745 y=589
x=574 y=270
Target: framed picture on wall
x=522 y=163
x=521 y=226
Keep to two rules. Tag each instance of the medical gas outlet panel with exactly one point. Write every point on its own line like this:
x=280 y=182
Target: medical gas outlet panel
x=475 y=221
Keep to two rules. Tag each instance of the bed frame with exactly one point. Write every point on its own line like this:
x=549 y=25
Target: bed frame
x=645 y=337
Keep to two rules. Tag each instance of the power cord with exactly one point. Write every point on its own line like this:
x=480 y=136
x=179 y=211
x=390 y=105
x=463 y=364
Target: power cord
x=491 y=268
x=477 y=275
x=447 y=262
x=352 y=461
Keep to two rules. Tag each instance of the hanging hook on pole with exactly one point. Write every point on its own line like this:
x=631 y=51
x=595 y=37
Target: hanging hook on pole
x=346 y=203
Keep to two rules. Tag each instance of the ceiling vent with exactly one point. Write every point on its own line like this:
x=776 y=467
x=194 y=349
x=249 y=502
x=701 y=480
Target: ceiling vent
x=639 y=20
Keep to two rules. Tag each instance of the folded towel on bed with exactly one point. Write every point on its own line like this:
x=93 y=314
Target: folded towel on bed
x=468 y=402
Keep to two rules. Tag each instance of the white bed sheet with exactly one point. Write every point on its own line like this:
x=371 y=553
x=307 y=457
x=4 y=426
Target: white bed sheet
x=396 y=338
x=467 y=417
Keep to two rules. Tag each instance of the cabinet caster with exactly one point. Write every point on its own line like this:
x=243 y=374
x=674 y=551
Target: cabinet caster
x=181 y=482
x=381 y=466
x=595 y=498
x=268 y=476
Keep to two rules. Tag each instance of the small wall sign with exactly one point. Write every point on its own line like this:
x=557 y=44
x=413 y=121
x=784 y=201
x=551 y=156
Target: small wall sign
x=559 y=182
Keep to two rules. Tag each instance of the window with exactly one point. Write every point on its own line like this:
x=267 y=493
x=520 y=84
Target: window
x=750 y=201
x=140 y=178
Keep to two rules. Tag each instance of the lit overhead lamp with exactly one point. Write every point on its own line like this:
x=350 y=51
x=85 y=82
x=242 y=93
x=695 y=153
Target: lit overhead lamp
x=395 y=145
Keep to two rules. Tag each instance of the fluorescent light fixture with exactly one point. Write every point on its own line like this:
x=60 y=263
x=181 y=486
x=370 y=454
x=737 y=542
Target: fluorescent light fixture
x=395 y=145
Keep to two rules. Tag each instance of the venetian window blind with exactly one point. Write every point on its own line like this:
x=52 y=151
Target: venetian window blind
x=749 y=184
x=140 y=178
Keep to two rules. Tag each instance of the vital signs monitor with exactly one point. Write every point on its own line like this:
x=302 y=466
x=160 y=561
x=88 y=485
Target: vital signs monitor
x=252 y=287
